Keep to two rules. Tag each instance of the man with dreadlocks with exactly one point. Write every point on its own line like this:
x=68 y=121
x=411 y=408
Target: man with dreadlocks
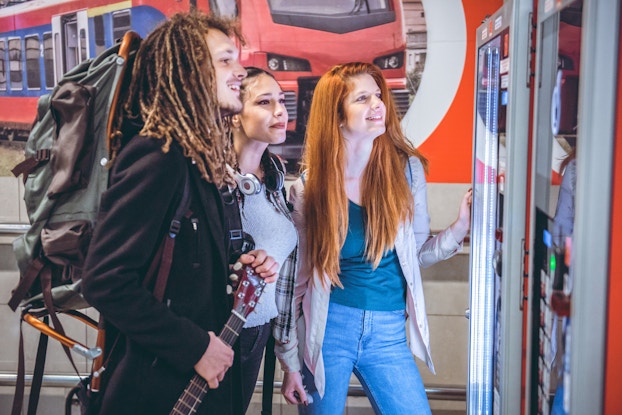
x=186 y=77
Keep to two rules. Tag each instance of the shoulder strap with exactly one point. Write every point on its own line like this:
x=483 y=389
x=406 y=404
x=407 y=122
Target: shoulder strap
x=127 y=52
x=239 y=241
x=164 y=258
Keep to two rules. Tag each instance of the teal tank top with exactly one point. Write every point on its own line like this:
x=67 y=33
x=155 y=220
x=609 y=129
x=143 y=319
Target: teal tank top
x=382 y=289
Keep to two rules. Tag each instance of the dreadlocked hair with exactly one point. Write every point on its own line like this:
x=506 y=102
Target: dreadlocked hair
x=173 y=94
x=386 y=196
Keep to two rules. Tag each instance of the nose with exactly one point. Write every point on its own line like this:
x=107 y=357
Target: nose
x=280 y=109
x=376 y=102
x=239 y=71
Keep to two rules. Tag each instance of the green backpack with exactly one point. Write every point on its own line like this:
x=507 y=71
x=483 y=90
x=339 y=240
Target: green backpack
x=65 y=172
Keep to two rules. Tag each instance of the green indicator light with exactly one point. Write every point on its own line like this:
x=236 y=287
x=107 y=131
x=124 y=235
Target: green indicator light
x=553 y=263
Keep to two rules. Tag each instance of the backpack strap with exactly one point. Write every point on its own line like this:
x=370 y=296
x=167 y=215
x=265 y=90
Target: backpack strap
x=169 y=244
x=239 y=241
x=45 y=274
x=164 y=258
x=127 y=51
x=267 y=391
x=31 y=274
x=28 y=165
x=20 y=385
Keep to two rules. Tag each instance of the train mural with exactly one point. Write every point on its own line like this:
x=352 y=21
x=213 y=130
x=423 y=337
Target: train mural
x=296 y=40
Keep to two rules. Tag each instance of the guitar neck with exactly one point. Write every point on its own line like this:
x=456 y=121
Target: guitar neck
x=189 y=401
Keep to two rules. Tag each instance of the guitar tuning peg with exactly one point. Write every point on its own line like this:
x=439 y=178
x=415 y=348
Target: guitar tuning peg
x=237 y=266
x=229 y=289
x=233 y=277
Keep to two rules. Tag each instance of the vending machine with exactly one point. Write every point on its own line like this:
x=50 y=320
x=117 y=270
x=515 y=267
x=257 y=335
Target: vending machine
x=500 y=146
x=547 y=103
x=553 y=207
x=573 y=136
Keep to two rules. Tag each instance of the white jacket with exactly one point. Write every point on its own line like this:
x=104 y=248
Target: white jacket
x=414 y=248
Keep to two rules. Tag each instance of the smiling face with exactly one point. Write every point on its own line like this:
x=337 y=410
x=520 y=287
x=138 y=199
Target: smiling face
x=363 y=109
x=264 y=116
x=229 y=73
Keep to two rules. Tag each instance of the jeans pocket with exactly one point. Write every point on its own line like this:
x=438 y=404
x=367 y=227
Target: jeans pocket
x=401 y=313
x=253 y=340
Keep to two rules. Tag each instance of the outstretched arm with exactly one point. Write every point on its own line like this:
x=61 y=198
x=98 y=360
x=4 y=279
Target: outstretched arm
x=461 y=226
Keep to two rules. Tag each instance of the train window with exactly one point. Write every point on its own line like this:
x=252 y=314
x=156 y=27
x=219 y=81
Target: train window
x=225 y=8
x=3 y=65
x=71 y=41
x=15 y=64
x=48 y=60
x=83 y=56
x=100 y=37
x=329 y=7
x=121 y=23
x=58 y=58
x=33 y=67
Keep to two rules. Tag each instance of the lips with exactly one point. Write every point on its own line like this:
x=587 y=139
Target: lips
x=280 y=125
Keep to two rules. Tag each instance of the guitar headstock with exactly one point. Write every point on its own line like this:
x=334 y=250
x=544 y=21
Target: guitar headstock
x=248 y=288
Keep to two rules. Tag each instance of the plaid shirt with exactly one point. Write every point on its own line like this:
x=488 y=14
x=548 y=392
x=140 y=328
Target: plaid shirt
x=284 y=325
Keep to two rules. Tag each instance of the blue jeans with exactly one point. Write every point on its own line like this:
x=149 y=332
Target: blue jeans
x=372 y=345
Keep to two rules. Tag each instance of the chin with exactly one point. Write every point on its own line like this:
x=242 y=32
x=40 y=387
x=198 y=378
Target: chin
x=230 y=108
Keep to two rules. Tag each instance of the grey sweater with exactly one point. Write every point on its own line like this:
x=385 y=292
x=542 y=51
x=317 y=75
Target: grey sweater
x=273 y=232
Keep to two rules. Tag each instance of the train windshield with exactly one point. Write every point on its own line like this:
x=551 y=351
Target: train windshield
x=336 y=16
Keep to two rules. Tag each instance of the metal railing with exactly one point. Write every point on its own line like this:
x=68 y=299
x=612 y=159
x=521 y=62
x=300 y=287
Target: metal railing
x=13 y=228
x=440 y=393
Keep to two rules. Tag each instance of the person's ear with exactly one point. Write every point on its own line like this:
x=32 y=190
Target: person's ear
x=235 y=121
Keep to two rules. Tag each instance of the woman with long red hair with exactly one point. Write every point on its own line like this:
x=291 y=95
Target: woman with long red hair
x=360 y=206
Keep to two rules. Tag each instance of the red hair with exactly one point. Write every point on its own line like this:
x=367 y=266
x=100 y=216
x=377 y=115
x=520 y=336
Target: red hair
x=386 y=196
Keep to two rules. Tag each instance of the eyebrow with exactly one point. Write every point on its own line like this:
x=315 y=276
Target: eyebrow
x=269 y=94
x=226 y=51
x=364 y=92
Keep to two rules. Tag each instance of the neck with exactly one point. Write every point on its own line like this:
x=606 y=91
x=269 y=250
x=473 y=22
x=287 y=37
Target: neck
x=249 y=154
x=357 y=157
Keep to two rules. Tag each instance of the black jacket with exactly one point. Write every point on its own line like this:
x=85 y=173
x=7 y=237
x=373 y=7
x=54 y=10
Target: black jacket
x=164 y=340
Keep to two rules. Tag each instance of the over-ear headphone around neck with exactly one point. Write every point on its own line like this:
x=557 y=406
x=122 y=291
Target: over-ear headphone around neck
x=249 y=184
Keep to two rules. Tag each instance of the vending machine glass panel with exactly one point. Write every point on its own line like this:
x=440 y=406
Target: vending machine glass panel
x=554 y=187
x=487 y=212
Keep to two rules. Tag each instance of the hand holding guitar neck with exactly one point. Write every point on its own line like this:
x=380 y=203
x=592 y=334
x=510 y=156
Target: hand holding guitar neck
x=262 y=264
x=215 y=362
x=248 y=287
